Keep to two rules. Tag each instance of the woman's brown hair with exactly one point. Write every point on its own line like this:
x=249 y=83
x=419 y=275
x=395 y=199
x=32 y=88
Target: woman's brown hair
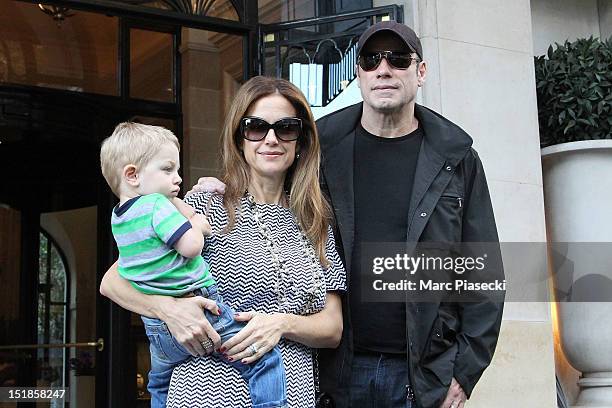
x=302 y=180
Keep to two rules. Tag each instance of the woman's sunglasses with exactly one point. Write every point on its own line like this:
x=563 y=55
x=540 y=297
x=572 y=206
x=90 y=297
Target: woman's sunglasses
x=255 y=129
x=369 y=61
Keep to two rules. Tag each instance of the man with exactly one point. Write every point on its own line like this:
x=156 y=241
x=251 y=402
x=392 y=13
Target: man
x=396 y=171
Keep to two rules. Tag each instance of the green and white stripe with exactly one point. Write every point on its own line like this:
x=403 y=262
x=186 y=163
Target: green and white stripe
x=146 y=230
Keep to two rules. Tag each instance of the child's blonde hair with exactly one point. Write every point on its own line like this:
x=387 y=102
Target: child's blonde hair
x=131 y=143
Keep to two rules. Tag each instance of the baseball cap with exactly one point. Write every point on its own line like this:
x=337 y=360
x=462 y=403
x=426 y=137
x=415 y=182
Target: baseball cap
x=401 y=30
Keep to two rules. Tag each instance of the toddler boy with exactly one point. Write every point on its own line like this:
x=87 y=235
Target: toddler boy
x=160 y=239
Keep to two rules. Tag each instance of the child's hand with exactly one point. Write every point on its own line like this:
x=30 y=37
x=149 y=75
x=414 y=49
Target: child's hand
x=184 y=208
x=200 y=222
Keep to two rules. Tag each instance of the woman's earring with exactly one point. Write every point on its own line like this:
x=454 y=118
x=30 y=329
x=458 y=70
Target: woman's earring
x=297 y=156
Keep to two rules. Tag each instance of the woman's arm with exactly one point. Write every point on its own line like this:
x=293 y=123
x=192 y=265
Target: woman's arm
x=183 y=316
x=320 y=330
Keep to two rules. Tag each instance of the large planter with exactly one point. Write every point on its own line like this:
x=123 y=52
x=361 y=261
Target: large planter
x=578 y=202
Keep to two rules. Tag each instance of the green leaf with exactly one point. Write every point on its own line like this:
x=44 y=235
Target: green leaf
x=574 y=90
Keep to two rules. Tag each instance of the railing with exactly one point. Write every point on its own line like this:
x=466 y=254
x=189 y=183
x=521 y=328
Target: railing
x=319 y=54
x=321 y=82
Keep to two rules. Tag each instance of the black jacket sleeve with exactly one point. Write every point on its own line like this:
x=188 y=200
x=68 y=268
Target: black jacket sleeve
x=480 y=320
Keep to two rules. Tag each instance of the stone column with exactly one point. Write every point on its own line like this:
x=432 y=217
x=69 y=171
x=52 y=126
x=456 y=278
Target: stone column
x=605 y=18
x=560 y=20
x=481 y=76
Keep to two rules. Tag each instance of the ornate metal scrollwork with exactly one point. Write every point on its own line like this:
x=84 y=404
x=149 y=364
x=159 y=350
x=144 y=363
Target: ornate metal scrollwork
x=197 y=7
x=324 y=72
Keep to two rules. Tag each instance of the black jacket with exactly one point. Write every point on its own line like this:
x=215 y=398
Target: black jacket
x=445 y=340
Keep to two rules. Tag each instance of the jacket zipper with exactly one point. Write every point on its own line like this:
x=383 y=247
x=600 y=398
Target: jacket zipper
x=460 y=202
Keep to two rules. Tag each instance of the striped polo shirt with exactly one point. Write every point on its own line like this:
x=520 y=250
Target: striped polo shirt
x=146 y=228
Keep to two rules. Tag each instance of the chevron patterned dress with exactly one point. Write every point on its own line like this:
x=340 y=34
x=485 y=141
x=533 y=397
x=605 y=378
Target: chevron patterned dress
x=243 y=269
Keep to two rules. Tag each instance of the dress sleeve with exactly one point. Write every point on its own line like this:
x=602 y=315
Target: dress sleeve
x=198 y=201
x=210 y=205
x=335 y=274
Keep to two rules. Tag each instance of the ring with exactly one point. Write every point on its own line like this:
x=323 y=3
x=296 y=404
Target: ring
x=207 y=344
x=253 y=349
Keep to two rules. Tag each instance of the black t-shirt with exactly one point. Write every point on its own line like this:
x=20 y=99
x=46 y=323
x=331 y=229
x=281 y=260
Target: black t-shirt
x=383 y=177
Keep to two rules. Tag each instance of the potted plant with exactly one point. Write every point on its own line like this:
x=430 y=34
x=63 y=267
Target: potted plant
x=574 y=89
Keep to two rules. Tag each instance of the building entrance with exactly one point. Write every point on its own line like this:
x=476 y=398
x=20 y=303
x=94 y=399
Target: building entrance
x=70 y=70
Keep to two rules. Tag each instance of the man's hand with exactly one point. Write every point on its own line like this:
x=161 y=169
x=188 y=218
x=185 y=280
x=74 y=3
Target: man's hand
x=455 y=397
x=208 y=185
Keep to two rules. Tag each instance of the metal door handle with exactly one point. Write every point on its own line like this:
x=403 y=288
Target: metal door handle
x=99 y=345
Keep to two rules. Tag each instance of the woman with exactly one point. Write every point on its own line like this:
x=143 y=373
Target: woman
x=272 y=253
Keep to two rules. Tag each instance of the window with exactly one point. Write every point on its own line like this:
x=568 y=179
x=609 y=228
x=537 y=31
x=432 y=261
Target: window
x=151 y=65
x=78 y=55
x=53 y=285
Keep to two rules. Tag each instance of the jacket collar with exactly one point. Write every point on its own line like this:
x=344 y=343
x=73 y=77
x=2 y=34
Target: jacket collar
x=441 y=135
x=444 y=143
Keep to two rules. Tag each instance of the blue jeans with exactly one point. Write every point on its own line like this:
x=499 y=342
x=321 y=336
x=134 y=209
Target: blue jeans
x=266 y=376
x=380 y=381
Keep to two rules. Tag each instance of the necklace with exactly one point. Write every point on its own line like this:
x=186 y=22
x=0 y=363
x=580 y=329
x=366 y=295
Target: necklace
x=284 y=281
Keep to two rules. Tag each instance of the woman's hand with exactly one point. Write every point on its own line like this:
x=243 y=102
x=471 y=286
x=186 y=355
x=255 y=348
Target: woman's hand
x=184 y=316
x=188 y=325
x=208 y=185
x=262 y=330
x=320 y=330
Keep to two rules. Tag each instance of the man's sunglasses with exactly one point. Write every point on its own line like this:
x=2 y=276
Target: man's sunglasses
x=255 y=129
x=369 y=61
